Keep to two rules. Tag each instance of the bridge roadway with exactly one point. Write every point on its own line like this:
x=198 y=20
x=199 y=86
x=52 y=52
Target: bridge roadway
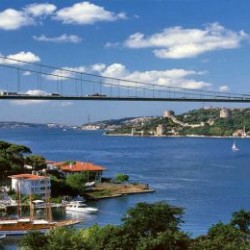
x=128 y=98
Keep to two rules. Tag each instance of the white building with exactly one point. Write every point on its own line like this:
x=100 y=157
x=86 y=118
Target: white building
x=31 y=184
x=160 y=130
x=224 y=113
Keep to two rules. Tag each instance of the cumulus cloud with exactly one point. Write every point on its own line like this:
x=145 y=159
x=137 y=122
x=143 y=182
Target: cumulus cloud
x=33 y=92
x=65 y=73
x=26 y=73
x=11 y=19
x=20 y=58
x=86 y=13
x=224 y=88
x=59 y=39
x=43 y=9
x=79 y=13
x=163 y=78
x=179 y=78
x=37 y=92
x=178 y=42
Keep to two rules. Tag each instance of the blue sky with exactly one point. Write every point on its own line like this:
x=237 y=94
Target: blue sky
x=201 y=44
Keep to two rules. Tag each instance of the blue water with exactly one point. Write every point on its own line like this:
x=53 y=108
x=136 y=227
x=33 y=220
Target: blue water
x=202 y=175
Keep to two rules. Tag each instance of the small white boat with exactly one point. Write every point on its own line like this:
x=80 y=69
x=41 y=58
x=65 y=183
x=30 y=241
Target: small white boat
x=2 y=235
x=235 y=148
x=79 y=206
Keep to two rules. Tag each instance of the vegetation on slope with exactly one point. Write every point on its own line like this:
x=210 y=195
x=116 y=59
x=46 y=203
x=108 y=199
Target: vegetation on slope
x=146 y=227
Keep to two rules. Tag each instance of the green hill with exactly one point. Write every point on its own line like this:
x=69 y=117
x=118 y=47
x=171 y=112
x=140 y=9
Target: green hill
x=207 y=122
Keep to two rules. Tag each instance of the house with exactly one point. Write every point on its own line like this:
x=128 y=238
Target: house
x=80 y=167
x=31 y=184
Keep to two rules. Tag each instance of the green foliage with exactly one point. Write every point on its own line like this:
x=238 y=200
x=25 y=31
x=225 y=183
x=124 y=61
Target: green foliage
x=146 y=227
x=241 y=219
x=120 y=178
x=59 y=187
x=238 y=119
x=167 y=240
x=76 y=182
x=222 y=236
x=56 y=239
x=108 y=237
x=150 y=219
x=38 y=162
x=34 y=241
x=12 y=157
x=64 y=239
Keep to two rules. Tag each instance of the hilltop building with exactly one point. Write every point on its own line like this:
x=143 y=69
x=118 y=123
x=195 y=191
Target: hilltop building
x=160 y=130
x=168 y=113
x=224 y=113
x=31 y=184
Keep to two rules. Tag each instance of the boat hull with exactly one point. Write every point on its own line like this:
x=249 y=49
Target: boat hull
x=14 y=228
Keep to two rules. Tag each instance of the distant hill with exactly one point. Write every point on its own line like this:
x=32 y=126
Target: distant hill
x=202 y=122
x=14 y=124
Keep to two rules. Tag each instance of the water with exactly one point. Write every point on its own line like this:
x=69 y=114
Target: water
x=202 y=175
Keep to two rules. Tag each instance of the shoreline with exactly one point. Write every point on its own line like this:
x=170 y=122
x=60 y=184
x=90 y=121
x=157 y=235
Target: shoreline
x=181 y=136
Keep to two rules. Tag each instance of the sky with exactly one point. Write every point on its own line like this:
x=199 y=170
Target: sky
x=196 y=44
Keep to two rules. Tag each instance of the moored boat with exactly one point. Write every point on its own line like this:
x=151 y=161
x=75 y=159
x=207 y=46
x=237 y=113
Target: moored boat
x=23 y=226
x=79 y=206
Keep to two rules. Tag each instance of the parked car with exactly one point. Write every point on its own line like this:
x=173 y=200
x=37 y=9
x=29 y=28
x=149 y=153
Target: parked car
x=97 y=95
x=55 y=94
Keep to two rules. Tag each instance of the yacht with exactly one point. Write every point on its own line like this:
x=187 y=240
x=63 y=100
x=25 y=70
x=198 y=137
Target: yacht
x=79 y=206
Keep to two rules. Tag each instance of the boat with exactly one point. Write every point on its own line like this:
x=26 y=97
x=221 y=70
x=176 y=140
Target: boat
x=79 y=206
x=2 y=236
x=11 y=227
x=235 y=148
x=21 y=226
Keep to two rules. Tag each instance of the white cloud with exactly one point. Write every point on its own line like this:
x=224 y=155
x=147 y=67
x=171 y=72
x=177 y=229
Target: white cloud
x=177 y=42
x=165 y=78
x=86 y=13
x=33 y=92
x=59 y=39
x=65 y=73
x=37 y=92
x=11 y=19
x=180 y=78
x=97 y=67
x=26 y=73
x=224 y=88
x=43 y=9
x=28 y=57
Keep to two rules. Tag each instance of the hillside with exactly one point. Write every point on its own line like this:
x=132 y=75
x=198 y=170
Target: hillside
x=202 y=122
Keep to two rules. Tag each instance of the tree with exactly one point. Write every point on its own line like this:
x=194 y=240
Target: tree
x=241 y=219
x=222 y=236
x=108 y=237
x=62 y=238
x=38 y=162
x=13 y=154
x=120 y=178
x=147 y=220
x=34 y=240
x=56 y=239
x=76 y=182
x=167 y=240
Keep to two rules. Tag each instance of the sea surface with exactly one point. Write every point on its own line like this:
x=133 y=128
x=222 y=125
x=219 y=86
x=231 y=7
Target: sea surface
x=201 y=175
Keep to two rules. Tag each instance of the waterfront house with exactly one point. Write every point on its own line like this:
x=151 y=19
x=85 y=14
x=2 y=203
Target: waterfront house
x=31 y=184
x=80 y=167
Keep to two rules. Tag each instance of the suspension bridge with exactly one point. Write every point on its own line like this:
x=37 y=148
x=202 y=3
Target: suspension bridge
x=22 y=80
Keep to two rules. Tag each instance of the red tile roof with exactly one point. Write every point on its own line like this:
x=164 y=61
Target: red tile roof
x=81 y=166
x=27 y=177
